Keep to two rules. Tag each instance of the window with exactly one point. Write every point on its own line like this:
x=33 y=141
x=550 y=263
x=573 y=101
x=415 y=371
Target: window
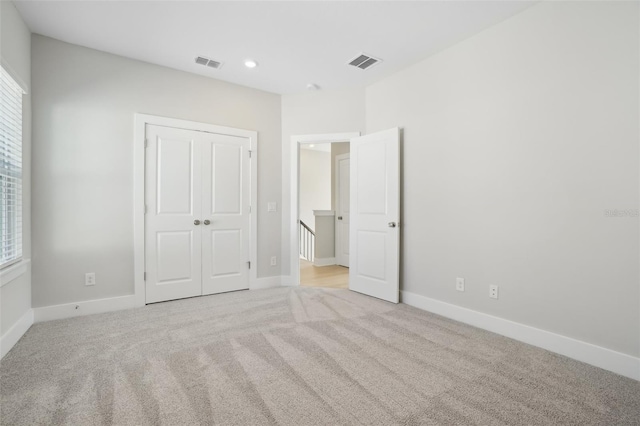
x=10 y=170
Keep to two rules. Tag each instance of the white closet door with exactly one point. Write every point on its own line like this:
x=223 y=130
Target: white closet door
x=375 y=212
x=173 y=202
x=226 y=217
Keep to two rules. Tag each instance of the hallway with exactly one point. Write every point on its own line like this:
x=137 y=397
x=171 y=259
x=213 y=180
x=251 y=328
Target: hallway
x=333 y=276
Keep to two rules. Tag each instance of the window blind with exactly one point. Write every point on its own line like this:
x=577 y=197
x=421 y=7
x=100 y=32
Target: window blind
x=10 y=169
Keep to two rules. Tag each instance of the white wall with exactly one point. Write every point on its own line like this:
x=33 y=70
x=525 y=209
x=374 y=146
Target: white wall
x=15 y=50
x=337 y=148
x=325 y=245
x=315 y=184
x=338 y=111
x=83 y=116
x=516 y=141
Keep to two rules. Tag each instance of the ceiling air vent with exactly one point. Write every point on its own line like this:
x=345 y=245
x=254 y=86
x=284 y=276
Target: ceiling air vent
x=201 y=60
x=363 y=61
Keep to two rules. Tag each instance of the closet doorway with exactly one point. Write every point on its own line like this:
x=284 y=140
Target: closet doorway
x=198 y=227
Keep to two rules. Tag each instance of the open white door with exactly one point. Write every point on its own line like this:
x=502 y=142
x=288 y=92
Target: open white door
x=375 y=214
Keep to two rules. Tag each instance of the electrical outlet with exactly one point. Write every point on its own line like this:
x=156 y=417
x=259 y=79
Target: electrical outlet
x=274 y=261
x=460 y=284
x=90 y=278
x=493 y=291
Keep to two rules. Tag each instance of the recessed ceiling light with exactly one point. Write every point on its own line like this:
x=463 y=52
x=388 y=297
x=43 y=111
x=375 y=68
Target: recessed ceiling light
x=249 y=63
x=311 y=146
x=313 y=86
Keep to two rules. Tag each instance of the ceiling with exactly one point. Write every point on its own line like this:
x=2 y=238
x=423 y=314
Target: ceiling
x=294 y=43
x=323 y=147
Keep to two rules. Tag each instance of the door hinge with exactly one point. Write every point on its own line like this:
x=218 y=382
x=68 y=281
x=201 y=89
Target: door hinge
x=146 y=209
x=249 y=264
x=249 y=209
x=145 y=276
x=250 y=153
x=146 y=143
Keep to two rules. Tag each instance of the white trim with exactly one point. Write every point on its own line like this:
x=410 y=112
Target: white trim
x=337 y=234
x=141 y=120
x=88 y=307
x=324 y=261
x=14 y=271
x=17 y=330
x=267 y=282
x=324 y=213
x=623 y=364
x=294 y=238
x=9 y=69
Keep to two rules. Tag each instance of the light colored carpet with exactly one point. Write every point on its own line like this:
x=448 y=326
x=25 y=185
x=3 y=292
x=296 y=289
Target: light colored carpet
x=296 y=356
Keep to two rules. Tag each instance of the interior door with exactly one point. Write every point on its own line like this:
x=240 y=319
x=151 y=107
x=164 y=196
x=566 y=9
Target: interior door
x=343 y=206
x=173 y=204
x=375 y=213
x=197 y=222
x=226 y=216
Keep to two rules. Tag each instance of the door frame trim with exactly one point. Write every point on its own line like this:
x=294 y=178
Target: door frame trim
x=294 y=229
x=141 y=120
x=336 y=202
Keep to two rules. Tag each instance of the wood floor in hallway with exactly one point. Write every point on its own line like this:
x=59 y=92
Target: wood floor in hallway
x=333 y=276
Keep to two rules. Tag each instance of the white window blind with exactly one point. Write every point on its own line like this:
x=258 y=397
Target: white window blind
x=10 y=170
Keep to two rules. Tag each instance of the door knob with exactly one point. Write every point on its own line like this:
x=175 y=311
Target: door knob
x=196 y=222
x=392 y=224
x=207 y=221
x=339 y=217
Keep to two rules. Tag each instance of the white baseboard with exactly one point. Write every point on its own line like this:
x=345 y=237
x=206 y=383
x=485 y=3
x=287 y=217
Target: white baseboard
x=88 y=307
x=324 y=261
x=267 y=282
x=17 y=330
x=617 y=362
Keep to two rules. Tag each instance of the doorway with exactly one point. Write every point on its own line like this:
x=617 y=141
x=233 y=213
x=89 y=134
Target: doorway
x=324 y=214
x=374 y=235
x=322 y=264
x=197 y=185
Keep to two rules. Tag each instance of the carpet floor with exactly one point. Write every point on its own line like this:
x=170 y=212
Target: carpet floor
x=296 y=356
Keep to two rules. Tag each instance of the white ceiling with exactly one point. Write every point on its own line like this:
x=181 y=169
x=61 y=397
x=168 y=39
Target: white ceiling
x=323 y=147
x=295 y=43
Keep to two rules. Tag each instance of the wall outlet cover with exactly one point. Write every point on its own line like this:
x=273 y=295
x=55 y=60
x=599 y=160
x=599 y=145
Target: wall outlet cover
x=90 y=278
x=493 y=291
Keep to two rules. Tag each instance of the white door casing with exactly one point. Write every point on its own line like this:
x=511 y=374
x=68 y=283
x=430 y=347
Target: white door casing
x=197 y=226
x=343 y=204
x=375 y=214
